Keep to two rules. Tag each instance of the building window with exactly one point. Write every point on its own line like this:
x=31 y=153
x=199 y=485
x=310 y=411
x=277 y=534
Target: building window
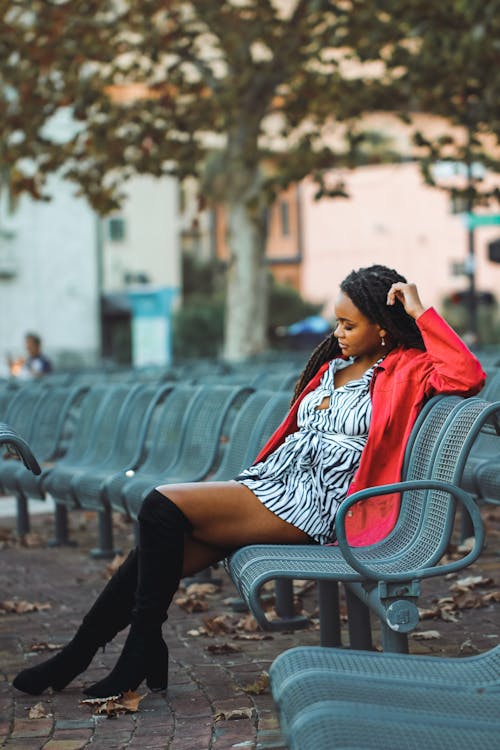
x=285 y=218
x=116 y=229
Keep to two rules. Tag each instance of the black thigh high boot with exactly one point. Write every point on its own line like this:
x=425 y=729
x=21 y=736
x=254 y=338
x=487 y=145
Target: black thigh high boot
x=110 y=613
x=162 y=526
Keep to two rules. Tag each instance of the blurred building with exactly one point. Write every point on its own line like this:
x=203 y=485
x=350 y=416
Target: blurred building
x=92 y=288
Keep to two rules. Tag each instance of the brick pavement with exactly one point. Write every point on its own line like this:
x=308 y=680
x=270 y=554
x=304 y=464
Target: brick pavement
x=212 y=702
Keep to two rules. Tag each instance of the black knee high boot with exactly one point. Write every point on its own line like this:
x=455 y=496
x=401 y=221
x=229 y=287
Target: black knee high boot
x=162 y=527
x=110 y=613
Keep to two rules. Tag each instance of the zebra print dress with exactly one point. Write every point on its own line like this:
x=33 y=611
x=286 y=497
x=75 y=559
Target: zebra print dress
x=307 y=477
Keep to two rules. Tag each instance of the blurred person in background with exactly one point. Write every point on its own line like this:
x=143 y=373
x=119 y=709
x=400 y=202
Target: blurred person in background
x=35 y=364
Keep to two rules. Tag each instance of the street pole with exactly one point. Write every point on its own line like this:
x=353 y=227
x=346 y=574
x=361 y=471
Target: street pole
x=471 y=256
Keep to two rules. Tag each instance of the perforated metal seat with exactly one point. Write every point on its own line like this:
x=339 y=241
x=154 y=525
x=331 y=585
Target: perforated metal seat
x=323 y=689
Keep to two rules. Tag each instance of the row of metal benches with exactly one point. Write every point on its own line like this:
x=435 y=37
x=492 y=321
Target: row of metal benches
x=103 y=448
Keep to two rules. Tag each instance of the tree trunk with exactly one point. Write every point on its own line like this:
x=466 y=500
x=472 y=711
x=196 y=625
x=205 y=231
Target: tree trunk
x=246 y=302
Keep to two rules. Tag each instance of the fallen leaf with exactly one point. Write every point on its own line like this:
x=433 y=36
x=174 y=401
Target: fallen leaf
x=235 y=713
x=222 y=648
x=38 y=711
x=491 y=596
x=219 y=624
x=201 y=589
x=469 y=600
x=449 y=613
x=429 y=613
x=21 y=607
x=259 y=686
x=426 y=635
x=468 y=647
x=115 y=705
x=248 y=623
x=32 y=540
x=470 y=582
x=41 y=647
x=130 y=700
x=191 y=604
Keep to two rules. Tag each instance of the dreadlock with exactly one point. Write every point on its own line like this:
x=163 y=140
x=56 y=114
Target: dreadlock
x=367 y=288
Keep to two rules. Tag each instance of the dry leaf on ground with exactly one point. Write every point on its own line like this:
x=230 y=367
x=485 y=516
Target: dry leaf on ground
x=115 y=705
x=38 y=711
x=426 y=635
x=235 y=713
x=248 y=623
x=42 y=646
x=219 y=624
x=222 y=648
x=191 y=604
x=261 y=685
x=470 y=582
x=21 y=607
x=202 y=589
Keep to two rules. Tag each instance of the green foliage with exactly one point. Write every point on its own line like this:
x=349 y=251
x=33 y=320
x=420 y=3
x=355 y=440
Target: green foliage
x=198 y=327
x=488 y=319
x=286 y=306
x=205 y=277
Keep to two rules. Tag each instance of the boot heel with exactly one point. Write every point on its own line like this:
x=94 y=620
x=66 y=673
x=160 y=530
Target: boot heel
x=157 y=675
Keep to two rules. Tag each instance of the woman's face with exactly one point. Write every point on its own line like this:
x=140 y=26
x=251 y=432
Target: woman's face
x=356 y=334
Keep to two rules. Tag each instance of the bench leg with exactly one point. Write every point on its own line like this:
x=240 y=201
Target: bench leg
x=105 y=550
x=360 y=632
x=61 y=528
x=393 y=642
x=466 y=525
x=22 y=516
x=329 y=613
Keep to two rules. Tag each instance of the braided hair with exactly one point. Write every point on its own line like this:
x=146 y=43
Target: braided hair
x=367 y=288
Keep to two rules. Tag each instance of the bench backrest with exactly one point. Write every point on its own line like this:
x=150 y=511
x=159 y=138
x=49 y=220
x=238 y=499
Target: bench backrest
x=425 y=522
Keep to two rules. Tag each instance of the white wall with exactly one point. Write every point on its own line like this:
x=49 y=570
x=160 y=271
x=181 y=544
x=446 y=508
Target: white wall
x=151 y=241
x=54 y=291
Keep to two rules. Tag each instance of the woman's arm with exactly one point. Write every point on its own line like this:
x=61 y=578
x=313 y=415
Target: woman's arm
x=452 y=366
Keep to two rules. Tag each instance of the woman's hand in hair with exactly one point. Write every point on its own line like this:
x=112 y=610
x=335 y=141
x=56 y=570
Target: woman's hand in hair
x=408 y=295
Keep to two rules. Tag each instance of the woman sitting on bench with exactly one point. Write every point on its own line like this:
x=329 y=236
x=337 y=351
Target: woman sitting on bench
x=352 y=412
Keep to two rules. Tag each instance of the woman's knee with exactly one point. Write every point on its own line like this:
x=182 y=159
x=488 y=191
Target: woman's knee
x=157 y=508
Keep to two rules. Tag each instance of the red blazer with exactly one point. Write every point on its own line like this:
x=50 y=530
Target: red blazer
x=400 y=386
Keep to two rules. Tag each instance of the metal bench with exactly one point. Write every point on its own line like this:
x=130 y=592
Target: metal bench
x=384 y=578
x=126 y=446
x=49 y=418
x=98 y=408
x=351 y=699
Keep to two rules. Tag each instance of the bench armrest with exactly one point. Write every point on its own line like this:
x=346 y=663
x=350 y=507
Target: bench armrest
x=432 y=484
x=14 y=441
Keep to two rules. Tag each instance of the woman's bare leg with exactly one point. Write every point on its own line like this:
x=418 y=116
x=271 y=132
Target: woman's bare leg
x=225 y=516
